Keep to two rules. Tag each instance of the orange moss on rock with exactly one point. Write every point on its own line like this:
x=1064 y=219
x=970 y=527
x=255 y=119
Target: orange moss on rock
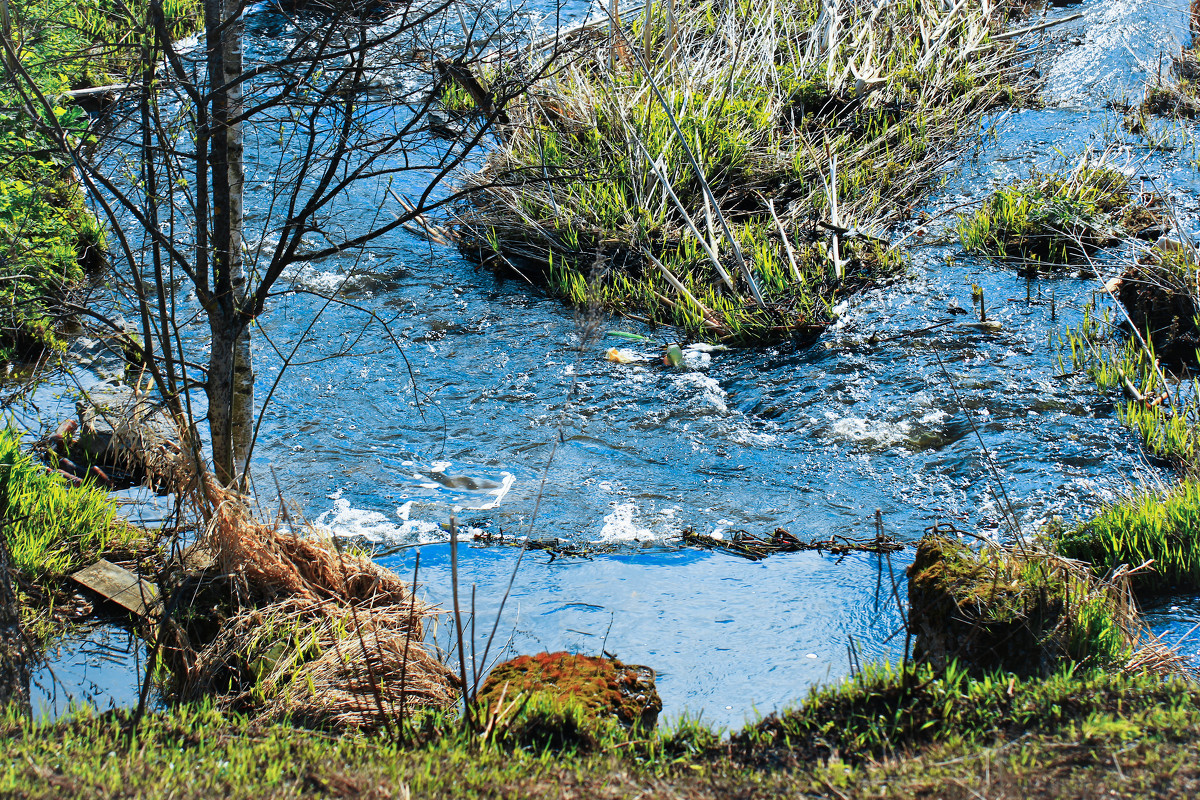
x=601 y=686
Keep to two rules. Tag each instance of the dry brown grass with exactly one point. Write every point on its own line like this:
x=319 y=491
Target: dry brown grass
x=314 y=633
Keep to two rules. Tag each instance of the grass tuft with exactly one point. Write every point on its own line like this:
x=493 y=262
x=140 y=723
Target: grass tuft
x=53 y=529
x=1159 y=526
x=1054 y=219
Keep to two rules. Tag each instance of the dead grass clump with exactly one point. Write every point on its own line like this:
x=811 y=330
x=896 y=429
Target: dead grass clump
x=1177 y=95
x=312 y=633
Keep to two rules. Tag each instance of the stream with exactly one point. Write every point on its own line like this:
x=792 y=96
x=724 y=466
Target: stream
x=526 y=429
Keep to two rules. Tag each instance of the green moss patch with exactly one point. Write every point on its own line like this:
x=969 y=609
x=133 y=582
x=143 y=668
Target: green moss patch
x=1021 y=610
x=598 y=687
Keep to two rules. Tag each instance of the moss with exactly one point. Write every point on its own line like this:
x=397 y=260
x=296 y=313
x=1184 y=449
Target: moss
x=597 y=686
x=1021 y=610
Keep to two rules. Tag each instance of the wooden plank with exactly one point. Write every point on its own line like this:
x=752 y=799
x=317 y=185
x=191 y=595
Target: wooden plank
x=119 y=585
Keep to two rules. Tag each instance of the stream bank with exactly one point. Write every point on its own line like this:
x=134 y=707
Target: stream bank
x=1071 y=736
x=812 y=439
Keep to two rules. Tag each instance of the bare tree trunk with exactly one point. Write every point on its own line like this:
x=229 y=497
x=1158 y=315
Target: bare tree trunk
x=230 y=398
x=230 y=373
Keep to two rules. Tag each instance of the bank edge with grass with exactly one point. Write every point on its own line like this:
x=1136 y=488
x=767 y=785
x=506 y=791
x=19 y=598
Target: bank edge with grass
x=49 y=237
x=912 y=730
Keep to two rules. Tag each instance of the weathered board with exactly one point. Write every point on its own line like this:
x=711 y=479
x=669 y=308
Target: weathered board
x=119 y=585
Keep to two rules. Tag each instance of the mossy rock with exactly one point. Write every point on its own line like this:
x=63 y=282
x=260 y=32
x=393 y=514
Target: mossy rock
x=999 y=609
x=601 y=687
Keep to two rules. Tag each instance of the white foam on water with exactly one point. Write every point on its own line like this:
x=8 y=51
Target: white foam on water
x=620 y=525
x=859 y=429
x=710 y=391
x=346 y=521
x=933 y=417
x=623 y=524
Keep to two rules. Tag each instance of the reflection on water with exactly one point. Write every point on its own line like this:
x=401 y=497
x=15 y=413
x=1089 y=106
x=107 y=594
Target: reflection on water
x=101 y=665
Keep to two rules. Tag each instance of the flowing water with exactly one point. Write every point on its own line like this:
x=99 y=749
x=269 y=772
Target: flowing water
x=523 y=428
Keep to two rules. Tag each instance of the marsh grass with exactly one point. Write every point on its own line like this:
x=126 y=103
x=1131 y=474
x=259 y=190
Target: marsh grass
x=298 y=628
x=733 y=170
x=1160 y=526
x=1176 y=93
x=1054 y=219
x=54 y=529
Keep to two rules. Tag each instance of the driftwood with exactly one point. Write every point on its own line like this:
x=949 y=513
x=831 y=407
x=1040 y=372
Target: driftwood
x=747 y=545
x=99 y=91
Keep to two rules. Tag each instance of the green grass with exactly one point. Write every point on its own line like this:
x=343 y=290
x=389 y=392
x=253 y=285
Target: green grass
x=886 y=710
x=1163 y=409
x=53 y=529
x=917 y=732
x=48 y=235
x=1163 y=526
x=1052 y=219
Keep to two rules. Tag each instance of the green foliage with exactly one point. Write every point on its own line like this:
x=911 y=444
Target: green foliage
x=886 y=709
x=48 y=236
x=51 y=528
x=1051 y=218
x=546 y=723
x=1159 y=526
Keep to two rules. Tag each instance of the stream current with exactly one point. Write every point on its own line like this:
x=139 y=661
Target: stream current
x=527 y=430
